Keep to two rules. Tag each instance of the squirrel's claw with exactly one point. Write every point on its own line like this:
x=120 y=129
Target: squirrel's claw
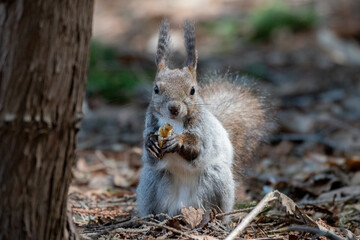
x=153 y=153
x=172 y=144
x=152 y=146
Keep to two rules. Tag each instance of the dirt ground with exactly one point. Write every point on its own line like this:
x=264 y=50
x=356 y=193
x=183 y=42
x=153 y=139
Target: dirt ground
x=312 y=80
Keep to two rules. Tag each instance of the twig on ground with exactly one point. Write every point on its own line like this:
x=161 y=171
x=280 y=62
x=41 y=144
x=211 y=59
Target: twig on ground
x=83 y=205
x=319 y=232
x=252 y=227
x=122 y=224
x=349 y=235
x=268 y=238
x=234 y=212
x=132 y=230
x=166 y=227
x=323 y=201
x=290 y=207
x=111 y=227
x=217 y=227
x=262 y=230
x=221 y=226
x=246 y=221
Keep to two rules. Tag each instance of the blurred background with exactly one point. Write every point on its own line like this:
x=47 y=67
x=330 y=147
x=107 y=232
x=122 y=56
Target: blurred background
x=304 y=55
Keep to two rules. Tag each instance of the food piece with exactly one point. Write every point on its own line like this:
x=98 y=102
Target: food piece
x=165 y=131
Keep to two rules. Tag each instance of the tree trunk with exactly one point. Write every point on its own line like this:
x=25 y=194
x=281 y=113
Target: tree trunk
x=44 y=49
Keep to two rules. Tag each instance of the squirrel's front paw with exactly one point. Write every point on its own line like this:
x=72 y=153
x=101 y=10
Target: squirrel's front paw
x=172 y=144
x=152 y=146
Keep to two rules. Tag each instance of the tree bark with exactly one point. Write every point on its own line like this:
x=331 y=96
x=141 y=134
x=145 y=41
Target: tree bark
x=44 y=49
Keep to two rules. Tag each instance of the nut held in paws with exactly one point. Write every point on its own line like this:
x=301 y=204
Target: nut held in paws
x=165 y=131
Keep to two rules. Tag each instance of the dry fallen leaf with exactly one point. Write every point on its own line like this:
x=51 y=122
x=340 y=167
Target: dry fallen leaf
x=192 y=216
x=292 y=209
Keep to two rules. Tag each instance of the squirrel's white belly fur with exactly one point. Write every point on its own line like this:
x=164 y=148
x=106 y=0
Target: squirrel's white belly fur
x=182 y=192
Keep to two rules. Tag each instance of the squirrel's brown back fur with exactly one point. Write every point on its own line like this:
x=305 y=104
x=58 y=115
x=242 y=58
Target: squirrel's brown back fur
x=242 y=114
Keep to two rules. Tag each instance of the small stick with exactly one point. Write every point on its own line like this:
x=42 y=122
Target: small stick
x=320 y=232
x=323 y=201
x=252 y=227
x=267 y=238
x=131 y=230
x=166 y=227
x=235 y=212
x=262 y=230
x=217 y=227
x=246 y=221
x=110 y=228
x=121 y=224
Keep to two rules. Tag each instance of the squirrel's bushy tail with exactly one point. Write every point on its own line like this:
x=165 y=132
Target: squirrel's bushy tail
x=241 y=112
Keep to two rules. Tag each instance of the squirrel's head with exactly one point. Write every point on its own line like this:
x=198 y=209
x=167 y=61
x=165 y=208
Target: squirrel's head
x=175 y=93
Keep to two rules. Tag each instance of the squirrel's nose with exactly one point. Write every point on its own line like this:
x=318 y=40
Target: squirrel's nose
x=174 y=110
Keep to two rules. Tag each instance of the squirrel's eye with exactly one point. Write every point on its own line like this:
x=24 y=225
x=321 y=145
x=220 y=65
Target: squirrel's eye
x=156 y=89
x=192 y=91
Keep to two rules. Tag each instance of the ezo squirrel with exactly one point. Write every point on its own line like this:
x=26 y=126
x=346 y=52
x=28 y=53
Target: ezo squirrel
x=217 y=127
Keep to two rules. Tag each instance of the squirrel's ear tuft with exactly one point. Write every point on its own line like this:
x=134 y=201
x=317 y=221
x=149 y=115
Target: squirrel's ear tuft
x=189 y=35
x=163 y=44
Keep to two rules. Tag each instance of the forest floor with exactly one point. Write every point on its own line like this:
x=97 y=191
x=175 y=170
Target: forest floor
x=312 y=156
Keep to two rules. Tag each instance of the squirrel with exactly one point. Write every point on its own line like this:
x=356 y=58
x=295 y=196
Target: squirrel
x=217 y=128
